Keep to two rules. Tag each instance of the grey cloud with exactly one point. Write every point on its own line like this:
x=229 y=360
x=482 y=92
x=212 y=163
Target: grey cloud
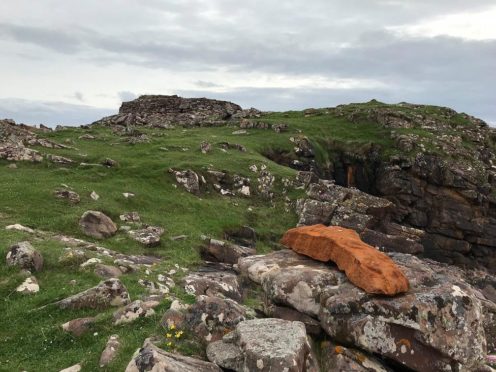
x=126 y=96
x=50 y=113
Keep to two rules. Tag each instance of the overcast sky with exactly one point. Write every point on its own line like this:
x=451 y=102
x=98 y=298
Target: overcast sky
x=72 y=62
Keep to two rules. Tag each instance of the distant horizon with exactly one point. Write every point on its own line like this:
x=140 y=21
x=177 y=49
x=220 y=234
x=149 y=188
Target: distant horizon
x=92 y=114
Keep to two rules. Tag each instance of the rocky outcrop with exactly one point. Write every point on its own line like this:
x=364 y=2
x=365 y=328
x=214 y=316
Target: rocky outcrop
x=364 y=266
x=97 y=225
x=330 y=204
x=264 y=345
x=151 y=358
x=167 y=111
x=24 y=256
x=214 y=280
x=439 y=324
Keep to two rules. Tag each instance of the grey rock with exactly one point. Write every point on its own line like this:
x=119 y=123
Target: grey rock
x=24 y=256
x=71 y=196
x=134 y=310
x=226 y=252
x=110 y=352
x=77 y=327
x=149 y=236
x=214 y=281
x=106 y=294
x=151 y=358
x=97 y=225
x=264 y=345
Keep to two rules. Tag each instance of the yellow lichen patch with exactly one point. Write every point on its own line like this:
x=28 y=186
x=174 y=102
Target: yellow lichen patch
x=339 y=350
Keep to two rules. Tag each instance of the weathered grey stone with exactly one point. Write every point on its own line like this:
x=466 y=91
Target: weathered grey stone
x=29 y=286
x=78 y=327
x=340 y=358
x=134 y=310
x=149 y=236
x=439 y=324
x=264 y=345
x=226 y=252
x=69 y=195
x=97 y=225
x=107 y=271
x=213 y=281
x=24 y=256
x=187 y=179
x=210 y=318
x=106 y=294
x=151 y=358
x=110 y=352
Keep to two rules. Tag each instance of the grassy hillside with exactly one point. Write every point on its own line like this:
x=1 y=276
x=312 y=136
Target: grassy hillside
x=31 y=338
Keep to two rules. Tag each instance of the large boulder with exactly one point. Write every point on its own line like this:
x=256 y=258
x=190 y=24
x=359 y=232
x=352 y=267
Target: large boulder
x=439 y=324
x=106 y=294
x=365 y=267
x=97 y=225
x=24 y=256
x=264 y=345
x=151 y=358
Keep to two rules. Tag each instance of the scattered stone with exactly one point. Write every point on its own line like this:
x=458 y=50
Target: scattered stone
x=78 y=327
x=264 y=345
x=74 y=368
x=188 y=179
x=128 y=195
x=133 y=217
x=235 y=146
x=108 y=293
x=364 y=266
x=24 y=256
x=29 y=286
x=18 y=227
x=178 y=237
x=71 y=196
x=110 y=352
x=107 y=271
x=59 y=159
x=279 y=128
x=110 y=163
x=241 y=131
x=12 y=166
x=244 y=236
x=94 y=196
x=149 y=236
x=90 y=262
x=205 y=147
x=226 y=252
x=87 y=136
x=97 y=225
x=73 y=257
x=151 y=358
x=136 y=309
x=153 y=287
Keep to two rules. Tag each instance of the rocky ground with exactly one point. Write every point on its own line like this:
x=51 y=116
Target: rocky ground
x=151 y=240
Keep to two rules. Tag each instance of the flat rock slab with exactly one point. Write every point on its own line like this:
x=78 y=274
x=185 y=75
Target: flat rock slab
x=151 y=358
x=365 y=266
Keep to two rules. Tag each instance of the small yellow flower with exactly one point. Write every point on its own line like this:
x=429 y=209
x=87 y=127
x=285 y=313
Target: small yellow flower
x=172 y=327
x=168 y=335
x=169 y=344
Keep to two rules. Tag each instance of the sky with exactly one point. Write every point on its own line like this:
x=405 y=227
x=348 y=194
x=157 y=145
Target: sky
x=72 y=62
